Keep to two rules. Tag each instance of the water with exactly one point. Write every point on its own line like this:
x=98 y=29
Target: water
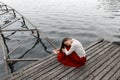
x=85 y=20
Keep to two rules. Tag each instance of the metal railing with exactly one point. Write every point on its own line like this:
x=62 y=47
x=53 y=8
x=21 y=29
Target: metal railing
x=16 y=16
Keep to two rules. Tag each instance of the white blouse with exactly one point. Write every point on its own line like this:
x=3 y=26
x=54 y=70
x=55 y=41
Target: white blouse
x=77 y=47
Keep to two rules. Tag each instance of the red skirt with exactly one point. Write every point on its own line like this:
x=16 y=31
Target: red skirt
x=72 y=60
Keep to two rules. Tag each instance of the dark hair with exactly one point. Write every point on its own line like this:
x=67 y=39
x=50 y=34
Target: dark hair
x=63 y=43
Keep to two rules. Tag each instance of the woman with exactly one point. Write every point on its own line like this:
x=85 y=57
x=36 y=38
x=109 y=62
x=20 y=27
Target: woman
x=71 y=53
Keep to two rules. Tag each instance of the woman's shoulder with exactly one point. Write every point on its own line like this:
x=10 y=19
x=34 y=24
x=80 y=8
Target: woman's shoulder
x=76 y=41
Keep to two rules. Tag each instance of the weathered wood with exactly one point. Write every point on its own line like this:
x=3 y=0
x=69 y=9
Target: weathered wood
x=29 y=59
x=118 y=78
x=27 y=68
x=38 y=74
x=6 y=10
x=46 y=72
x=105 y=71
x=113 y=70
x=52 y=55
x=95 y=43
x=90 y=63
x=91 y=52
x=58 y=77
x=52 y=71
x=100 y=64
x=116 y=75
x=38 y=69
x=106 y=63
x=35 y=66
x=16 y=19
x=4 y=54
x=93 y=48
x=41 y=60
x=49 y=68
x=19 y=30
x=67 y=72
x=55 y=73
x=103 y=61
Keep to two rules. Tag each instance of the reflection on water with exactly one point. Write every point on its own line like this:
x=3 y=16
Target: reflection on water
x=110 y=5
x=85 y=20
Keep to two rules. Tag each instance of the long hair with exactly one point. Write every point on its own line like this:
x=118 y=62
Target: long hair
x=63 y=43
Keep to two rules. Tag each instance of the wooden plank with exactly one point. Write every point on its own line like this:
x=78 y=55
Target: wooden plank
x=19 y=30
x=93 y=61
x=43 y=72
x=90 y=53
x=4 y=54
x=93 y=52
x=43 y=59
x=93 y=48
x=100 y=40
x=112 y=71
x=34 y=67
x=116 y=76
x=90 y=62
x=105 y=71
x=36 y=75
x=55 y=73
x=99 y=66
x=39 y=69
x=39 y=74
x=31 y=65
x=100 y=69
x=52 y=71
x=28 y=68
x=27 y=59
x=60 y=76
x=96 y=42
x=76 y=70
x=6 y=10
x=60 y=67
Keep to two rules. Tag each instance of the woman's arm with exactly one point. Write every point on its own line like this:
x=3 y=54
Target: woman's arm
x=73 y=47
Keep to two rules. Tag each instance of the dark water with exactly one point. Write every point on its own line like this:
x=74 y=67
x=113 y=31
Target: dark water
x=85 y=20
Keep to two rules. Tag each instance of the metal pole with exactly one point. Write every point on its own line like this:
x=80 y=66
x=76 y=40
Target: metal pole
x=18 y=30
x=4 y=55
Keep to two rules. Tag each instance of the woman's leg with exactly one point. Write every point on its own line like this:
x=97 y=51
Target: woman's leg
x=65 y=60
x=77 y=60
x=72 y=60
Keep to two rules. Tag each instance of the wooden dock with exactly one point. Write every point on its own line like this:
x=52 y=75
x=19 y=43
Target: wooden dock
x=103 y=63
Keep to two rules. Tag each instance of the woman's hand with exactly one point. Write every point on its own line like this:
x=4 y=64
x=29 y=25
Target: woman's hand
x=56 y=51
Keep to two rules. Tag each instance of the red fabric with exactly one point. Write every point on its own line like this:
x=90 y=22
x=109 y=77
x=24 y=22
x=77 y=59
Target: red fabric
x=72 y=60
